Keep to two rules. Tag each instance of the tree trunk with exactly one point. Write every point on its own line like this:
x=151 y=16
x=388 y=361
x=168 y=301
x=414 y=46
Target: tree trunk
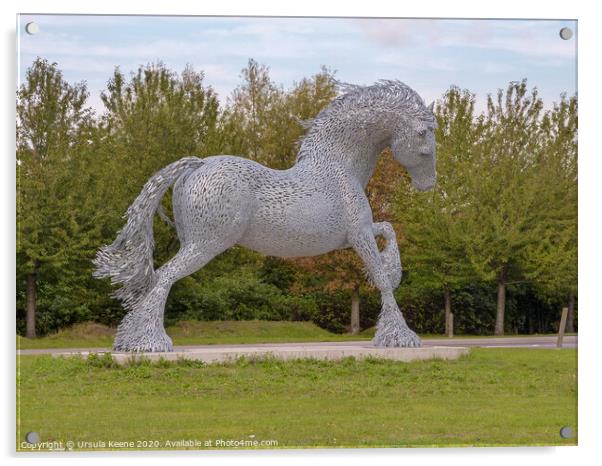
x=570 y=318
x=449 y=330
x=355 y=311
x=501 y=306
x=30 y=329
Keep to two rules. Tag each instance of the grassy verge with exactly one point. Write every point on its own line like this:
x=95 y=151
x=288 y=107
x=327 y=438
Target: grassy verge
x=369 y=333
x=491 y=397
x=93 y=335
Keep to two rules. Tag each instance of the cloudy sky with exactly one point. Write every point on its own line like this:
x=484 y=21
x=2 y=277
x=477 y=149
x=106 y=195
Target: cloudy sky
x=428 y=54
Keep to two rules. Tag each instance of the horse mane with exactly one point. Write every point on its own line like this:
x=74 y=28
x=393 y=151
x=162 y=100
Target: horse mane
x=392 y=94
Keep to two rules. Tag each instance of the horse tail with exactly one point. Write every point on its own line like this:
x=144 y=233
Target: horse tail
x=129 y=260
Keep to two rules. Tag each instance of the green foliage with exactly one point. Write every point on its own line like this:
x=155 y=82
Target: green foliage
x=474 y=308
x=277 y=272
x=241 y=297
x=154 y=118
x=551 y=262
x=103 y=361
x=262 y=119
x=334 y=309
x=53 y=144
x=158 y=115
x=504 y=209
x=192 y=332
x=504 y=205
x=433 y=222
x=58 y=221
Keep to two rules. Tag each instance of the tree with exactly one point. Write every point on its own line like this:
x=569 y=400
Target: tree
x=55 y=134
x=155 y=118
x=552 y=261
x=517 y=196
x=507 y=206
x=504 y=208
x=252 y=110
x=303 y=102
x=262 y=119
x=432 y=222
x=158 y=116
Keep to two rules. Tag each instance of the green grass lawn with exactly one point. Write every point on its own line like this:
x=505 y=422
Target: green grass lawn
x=496 y=396
x=93 y=335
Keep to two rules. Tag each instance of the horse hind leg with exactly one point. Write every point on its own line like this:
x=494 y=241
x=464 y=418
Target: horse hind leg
x=210 y=215
x=142 y=329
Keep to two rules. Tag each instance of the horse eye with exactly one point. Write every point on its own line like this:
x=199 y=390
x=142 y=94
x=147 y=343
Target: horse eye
x=422 y=133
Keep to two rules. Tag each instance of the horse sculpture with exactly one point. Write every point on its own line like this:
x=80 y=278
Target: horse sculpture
x=316 y=206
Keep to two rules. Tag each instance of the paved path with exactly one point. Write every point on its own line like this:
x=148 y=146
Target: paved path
x=486 y=342
x=506 y=342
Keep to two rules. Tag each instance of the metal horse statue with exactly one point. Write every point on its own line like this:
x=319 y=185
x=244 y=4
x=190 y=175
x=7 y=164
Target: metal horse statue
x=316 y=206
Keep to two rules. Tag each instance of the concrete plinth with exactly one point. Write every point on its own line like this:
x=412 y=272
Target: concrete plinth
x=210 y=353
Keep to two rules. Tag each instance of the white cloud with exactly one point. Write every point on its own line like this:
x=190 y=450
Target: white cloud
x=387 y=32
x=524 y=38
x=417 y=61
x=428 y=54
x=496 y=67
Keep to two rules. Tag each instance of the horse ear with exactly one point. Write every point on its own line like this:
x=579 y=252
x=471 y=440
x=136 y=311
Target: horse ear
x=431 y=107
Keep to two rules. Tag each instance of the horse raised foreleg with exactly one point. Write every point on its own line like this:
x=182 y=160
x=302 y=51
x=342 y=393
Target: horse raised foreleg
x=390 y=254
x=391 y=328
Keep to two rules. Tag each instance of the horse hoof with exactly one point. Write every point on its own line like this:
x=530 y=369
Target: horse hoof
x=143 y=345
x=400 y=338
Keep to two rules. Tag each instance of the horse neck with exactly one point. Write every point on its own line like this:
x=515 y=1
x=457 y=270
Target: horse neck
x=357 y=154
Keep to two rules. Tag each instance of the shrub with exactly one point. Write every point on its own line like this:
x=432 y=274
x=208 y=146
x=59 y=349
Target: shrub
x=235 y=297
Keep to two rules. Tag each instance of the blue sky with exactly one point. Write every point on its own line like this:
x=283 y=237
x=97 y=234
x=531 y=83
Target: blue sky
x=428 y=54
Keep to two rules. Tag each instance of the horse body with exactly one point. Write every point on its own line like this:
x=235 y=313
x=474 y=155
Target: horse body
x=284 y=213
x=312 y=208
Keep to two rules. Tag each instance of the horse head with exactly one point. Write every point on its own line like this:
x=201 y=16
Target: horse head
x=413 y=146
